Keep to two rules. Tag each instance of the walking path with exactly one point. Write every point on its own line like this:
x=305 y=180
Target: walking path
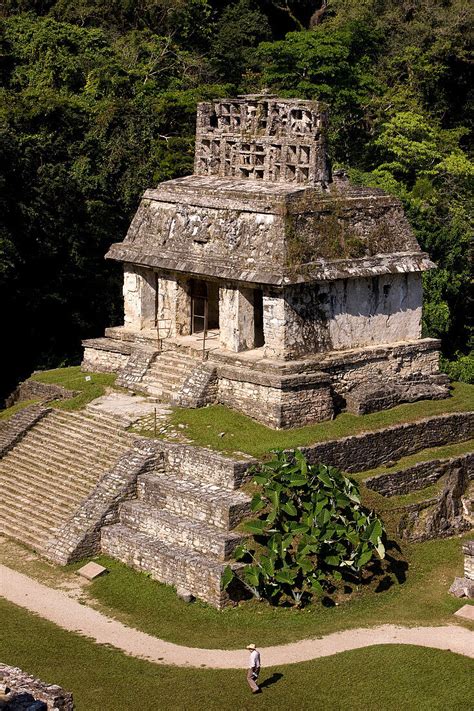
x=57 y=607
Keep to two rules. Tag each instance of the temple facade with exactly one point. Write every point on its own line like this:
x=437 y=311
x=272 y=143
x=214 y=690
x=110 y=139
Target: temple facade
x=266 y=283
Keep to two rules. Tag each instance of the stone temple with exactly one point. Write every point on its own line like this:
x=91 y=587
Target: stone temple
x=268 y=284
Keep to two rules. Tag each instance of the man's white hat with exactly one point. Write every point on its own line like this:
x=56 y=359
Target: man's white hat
x=250 y=646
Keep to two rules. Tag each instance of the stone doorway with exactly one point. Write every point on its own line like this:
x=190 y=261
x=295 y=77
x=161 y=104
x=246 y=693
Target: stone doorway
x=259 y=339
x=204 y=306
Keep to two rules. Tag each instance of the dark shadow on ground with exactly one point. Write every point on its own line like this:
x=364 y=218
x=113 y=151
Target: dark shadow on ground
x=273 y=679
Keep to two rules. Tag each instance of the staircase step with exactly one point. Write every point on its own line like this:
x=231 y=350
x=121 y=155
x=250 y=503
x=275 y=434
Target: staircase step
x=33 y=487
x=48 y=468
x=33 y=537
x=46 y=476
x=100 y=422
x=68 y=456
x=18 y=506
x=86 y=430
x=63 y=436
x=63 y=442
x=179 y=531
x=169 y=564
x=205 y=503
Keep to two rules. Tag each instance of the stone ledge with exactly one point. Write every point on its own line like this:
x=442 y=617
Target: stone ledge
x=371 y=449
x=34 y=389
x=14 y=429
x=416 y=477
x=325 y=359
x=168 y=564
x=205 y=465
x=279 y=382
x=108 y=344
x=19 y=682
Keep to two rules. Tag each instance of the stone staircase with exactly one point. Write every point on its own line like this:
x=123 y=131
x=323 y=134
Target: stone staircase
x=167 y=373
x=180 y=530
x=46 y=475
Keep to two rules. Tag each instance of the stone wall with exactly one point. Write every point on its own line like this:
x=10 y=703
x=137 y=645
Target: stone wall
x=177 y=567
x=372 y=449
x=468 y=550
x=418 y=476
x=446 y=515
x=15 y=428
x=199 y=388
x=99 y=359
x=204 y=465
x=400 y=361
x=80 y=536
x=276 y=401
x=18 y=687
x=34 y=390
x=351 y=313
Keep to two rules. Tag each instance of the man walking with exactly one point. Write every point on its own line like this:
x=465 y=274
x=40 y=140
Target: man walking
x=254 y=668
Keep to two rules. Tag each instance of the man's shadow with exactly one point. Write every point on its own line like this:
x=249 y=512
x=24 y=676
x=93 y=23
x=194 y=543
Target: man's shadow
x=273 y=679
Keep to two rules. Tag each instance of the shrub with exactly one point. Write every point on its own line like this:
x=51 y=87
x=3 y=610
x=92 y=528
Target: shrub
x=461 y=369
x=311 y=529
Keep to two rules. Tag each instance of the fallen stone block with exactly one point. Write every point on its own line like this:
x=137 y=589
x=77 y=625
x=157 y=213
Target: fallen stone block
x=462 y=587
x=184 y=594
x=92 y=570
x=467 y=612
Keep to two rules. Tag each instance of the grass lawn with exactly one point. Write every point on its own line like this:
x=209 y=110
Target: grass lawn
x=420 y=596
x=9 y=411
x=205 y=426
x=75 y=379
x=388 y=677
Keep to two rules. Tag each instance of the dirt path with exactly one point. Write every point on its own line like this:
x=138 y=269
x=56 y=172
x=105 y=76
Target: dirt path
x=57 y=607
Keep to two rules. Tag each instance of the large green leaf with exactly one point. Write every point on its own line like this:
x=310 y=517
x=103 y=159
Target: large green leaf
x=289 y=508
x=257 y=503
x=301 y=459
x=376 y=531
x=316 y=587
x=325 y=478
x=364 y=558
x=227 y=577
x=285 y=576
x=267 y=566
x=252 y=576
x=256 y=526
x=239 y=552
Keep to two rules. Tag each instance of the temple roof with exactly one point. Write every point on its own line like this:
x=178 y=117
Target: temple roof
x=263 y=208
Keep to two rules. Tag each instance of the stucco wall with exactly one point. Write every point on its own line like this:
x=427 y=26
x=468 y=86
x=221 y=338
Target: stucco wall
x=139 y=289
x=350 y=313
x=236 y=318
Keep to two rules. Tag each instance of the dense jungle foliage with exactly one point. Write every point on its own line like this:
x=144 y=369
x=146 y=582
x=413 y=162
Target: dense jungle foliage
x=98 y=103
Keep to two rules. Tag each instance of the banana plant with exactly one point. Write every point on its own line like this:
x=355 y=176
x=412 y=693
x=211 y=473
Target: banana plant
x=310 y=525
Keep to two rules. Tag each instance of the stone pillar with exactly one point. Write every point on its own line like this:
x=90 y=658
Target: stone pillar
x=274 y=324
x=139 y=293
x=236 y=318
x=183 y=306
x=174 y=306
x=468 y=550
